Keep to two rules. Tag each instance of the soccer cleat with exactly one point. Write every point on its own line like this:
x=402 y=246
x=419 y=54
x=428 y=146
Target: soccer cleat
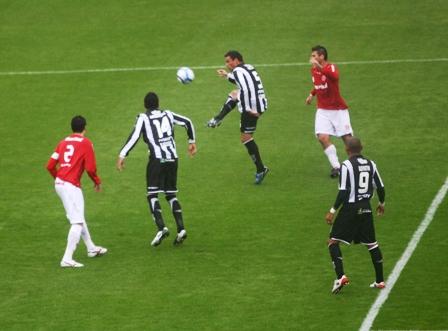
x=259 y=176
x=98 y=251
x=181 y=236
x=160 y=236
x=379 y=285
x=71 y=264
x=214 y=122
x=335 y=172
x=339 y=284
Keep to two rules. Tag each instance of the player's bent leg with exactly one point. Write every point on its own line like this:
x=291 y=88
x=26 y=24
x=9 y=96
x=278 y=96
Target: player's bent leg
x=229 y=105
x=336 y=257
x=176 y=209
x=92 y=249
x=156 y=210
x=73 y=238
x=377 y=261
x=330 y=151
x=252 y=148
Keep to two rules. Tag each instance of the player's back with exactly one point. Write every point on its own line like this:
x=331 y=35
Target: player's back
x=357 y=174
x=71 y=153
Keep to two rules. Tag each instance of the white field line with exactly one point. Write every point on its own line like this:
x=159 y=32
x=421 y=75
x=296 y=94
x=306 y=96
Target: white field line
x=399 y=266
x=292 y=64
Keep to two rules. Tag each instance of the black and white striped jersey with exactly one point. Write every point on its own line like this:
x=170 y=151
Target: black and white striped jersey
x=157 y=129
x=359 y=177
x=251 y=92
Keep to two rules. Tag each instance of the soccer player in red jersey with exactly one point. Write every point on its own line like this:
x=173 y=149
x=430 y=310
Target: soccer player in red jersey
x=74 y=154
x=332 y=117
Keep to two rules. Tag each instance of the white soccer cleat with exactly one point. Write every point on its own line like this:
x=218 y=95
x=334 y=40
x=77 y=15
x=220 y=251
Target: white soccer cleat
x=98 y=251
x=380 y=285
x=214 y=122
x=71 y=264
x=160 y=236
x=181 y=236
x=339 y=284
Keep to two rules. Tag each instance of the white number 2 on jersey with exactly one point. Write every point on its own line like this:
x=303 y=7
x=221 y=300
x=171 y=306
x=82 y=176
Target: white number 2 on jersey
x=363 y=182
x=164 y=127
x=69 y=153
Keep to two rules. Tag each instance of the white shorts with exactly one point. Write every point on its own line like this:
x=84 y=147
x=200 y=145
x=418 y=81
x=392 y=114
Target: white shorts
x=72 y=199
x=333 y=122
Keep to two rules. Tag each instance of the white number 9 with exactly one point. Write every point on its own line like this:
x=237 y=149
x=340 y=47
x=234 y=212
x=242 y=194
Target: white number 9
x=363 y=182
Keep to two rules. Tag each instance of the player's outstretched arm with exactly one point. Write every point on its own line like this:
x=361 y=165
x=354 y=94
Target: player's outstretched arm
x=222 y=73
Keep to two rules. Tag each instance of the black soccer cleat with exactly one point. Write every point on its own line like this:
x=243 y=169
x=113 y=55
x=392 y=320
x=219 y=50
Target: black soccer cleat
x=335 y=172
x=259 y=176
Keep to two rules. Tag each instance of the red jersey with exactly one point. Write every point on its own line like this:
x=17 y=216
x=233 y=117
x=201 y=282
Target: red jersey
x=74 y=155
x=326 y=88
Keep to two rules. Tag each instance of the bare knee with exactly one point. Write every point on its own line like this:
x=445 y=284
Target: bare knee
x=324 y=140
x=332 y=242
x=245 y=137
x=234 y=95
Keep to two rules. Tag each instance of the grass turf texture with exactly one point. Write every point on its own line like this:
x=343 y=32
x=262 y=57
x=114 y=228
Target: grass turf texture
x=256 y=257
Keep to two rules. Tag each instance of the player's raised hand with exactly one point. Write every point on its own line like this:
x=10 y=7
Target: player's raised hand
x=380 y=210
x=329 y=218
x=120 y=163
x=222 y=72
x=315 y=63
x=192 y=149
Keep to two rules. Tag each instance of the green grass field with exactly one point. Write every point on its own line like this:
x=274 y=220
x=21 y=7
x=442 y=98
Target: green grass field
x=256 y=257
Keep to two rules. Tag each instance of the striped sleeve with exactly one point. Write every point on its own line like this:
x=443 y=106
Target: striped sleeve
x=344 y=178
x=231 y=78
x=133 y=137
x=343 y=187
x=187 y=123
x=378 y=184
x=377 y=181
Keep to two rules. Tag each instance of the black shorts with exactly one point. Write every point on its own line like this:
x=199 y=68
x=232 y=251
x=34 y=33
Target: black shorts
x=161 y=176
x=354 y=223
x=248 y=123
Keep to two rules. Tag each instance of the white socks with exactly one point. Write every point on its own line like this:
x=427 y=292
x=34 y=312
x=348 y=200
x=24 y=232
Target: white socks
x=72 y=241
x=330 y=151
x=85 y=234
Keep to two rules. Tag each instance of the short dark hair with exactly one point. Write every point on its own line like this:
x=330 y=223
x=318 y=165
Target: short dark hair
x=354 y=145
x=321 y=50
x=78 y=124
x=234 y=55
x=151 y=101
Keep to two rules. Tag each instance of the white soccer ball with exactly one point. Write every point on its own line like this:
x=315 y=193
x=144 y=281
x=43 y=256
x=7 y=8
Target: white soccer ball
x=185 y=75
